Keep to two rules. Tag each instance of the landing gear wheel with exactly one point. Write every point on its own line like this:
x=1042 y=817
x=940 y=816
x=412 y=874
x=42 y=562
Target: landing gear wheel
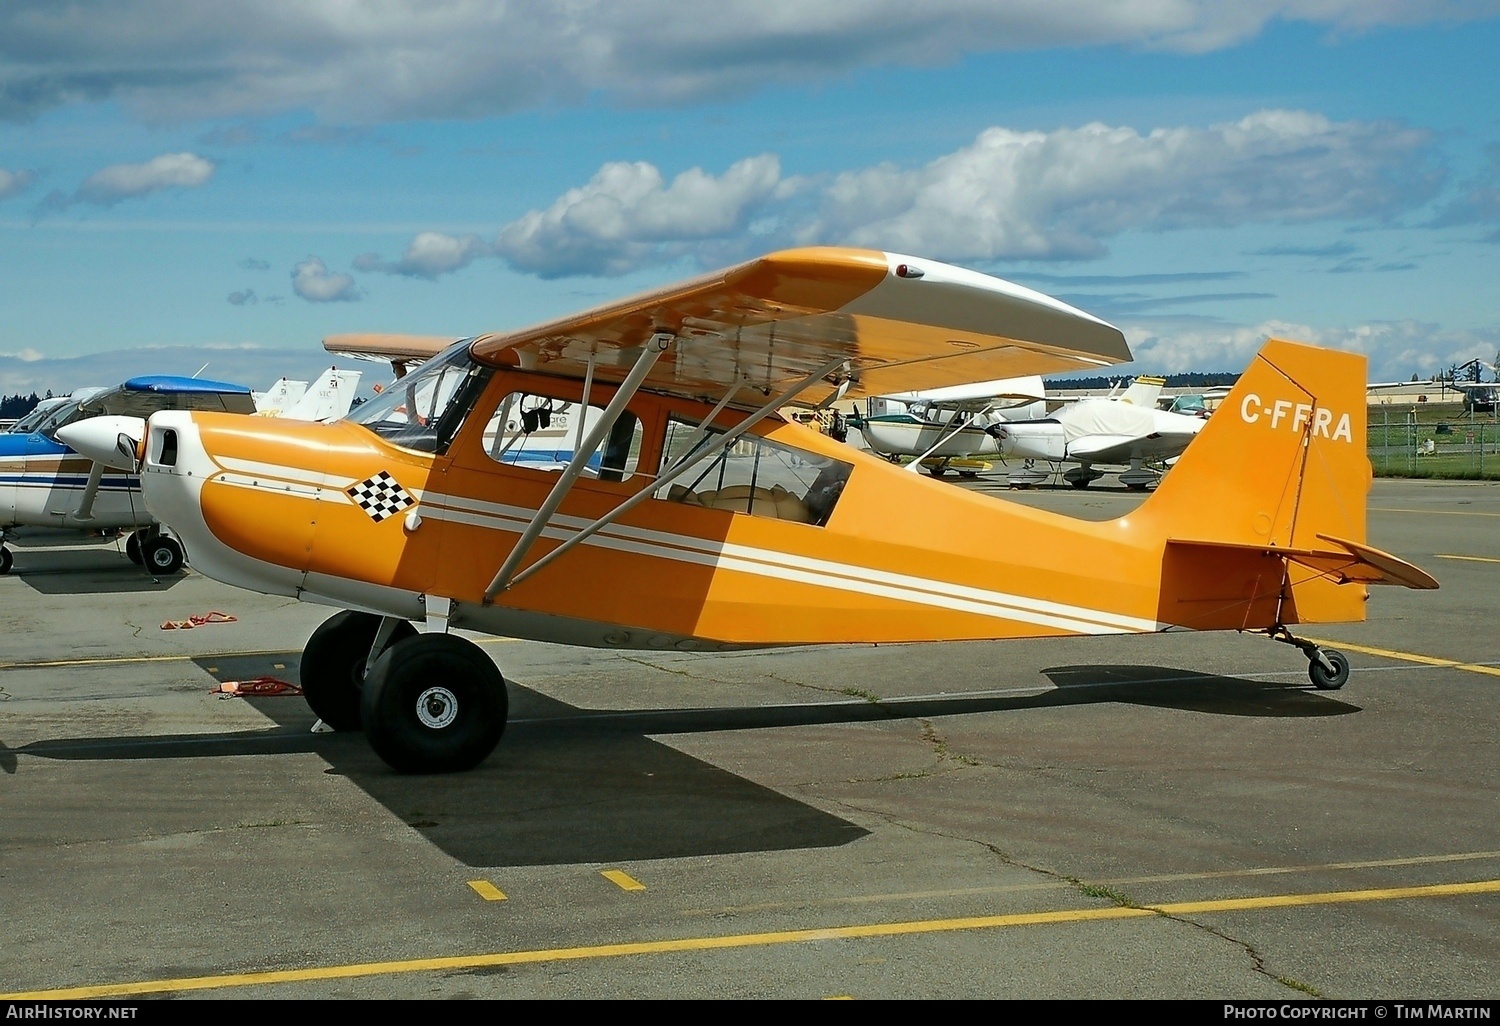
x=1079 y=482
x=6 y=560
x=1136 y=487
x=133 y=548
x=434 y=704
x=333 y=665
x=162 y=555
x=1321 y=678
x=937 y=471
x=968 y=475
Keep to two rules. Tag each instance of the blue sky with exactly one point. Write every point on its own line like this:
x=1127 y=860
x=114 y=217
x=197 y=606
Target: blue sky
x=183 y=183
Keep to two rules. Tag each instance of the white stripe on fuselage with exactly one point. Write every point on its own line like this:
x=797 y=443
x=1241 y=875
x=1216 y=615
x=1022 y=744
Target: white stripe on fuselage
x=725 y=555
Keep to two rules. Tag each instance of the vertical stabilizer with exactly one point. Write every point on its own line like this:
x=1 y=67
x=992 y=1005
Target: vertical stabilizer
x=1144 y=392
x=328 y=398
x=1277 y=476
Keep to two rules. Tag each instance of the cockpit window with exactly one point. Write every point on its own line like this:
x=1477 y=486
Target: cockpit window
x=425 y=409
x=753 y=475
x=64 y=414
x=28 y=423
x=541 y=432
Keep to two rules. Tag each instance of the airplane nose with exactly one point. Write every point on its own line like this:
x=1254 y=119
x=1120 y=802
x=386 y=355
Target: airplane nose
x=111 y=441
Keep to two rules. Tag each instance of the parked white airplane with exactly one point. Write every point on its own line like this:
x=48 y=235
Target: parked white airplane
x=1110 y=430
x=44 y=482
x=278 y=397
x=943 y=426
x=328 y=398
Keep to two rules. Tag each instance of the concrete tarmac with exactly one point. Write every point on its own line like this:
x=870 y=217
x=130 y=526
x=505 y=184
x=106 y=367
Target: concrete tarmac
x=1165 y=816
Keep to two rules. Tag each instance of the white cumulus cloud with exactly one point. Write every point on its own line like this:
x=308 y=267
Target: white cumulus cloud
x=314 y=282
x=1059 y=194
x=428 y=255
x=1009 y=195
x=627 y=216
x=110 y=185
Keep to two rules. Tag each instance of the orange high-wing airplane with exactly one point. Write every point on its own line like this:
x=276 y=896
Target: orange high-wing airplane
x=693 y=516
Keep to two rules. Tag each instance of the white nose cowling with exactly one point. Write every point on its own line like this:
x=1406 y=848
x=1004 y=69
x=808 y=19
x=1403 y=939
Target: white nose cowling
x=111 y=441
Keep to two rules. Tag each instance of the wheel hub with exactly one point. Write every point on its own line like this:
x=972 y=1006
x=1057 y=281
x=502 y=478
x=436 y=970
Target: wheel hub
x=437 y=708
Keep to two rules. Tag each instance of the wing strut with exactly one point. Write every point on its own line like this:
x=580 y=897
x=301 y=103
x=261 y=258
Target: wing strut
x=916 y=464
x=690 y=457
x=581 y=455
x=85 y=511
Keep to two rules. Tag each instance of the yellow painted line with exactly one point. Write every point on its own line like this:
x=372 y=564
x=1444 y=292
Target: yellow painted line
x=487 y=890
x=1471 y=559
x=624 y=881
x=747 y=940
x=1410 y=657
x=1056 y=885
x=1424 y=512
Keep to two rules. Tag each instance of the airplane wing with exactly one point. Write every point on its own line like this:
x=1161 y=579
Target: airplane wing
x=979 y=396
x=401 y=351
x=143 y=396
x=1113 y=449
x=897 y=323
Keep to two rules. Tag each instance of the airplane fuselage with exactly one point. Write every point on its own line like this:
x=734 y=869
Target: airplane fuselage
x=43 y=483
x=336 y=514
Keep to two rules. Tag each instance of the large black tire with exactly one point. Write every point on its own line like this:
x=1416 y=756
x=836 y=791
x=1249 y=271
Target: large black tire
x=333 y=665
x=133 y=548
x=1321 y=678
x=162 y=555
x=6 y=560
x=434 y=704
x=1080 y=482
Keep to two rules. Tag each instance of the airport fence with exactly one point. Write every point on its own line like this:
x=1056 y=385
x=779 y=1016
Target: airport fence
x=1423 y=443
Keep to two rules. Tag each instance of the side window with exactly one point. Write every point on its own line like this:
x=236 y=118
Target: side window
x=541 y=432
x=753 y=475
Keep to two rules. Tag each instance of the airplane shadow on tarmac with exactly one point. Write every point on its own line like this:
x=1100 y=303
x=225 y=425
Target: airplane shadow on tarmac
x=569 y=786
x=93 y=567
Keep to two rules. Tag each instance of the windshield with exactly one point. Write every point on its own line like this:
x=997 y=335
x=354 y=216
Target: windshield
x=64 y=414
x=424 y=409
x=29 y=422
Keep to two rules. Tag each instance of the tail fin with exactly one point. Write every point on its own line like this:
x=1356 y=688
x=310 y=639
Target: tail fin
x=329 y=398
x=1264 y=513
x=1144 y=392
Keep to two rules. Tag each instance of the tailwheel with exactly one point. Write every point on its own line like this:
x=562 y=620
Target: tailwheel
x=1323 y=678
x=334 y=663
x=1327 y=668
x=434 y=703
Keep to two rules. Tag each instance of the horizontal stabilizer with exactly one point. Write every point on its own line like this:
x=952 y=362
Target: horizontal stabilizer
x=1344 y=562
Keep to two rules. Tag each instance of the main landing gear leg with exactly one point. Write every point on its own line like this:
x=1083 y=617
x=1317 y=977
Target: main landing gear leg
x=1327 y=668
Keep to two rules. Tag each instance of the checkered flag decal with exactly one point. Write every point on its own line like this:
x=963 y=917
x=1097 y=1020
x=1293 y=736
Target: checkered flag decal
x=380 y=496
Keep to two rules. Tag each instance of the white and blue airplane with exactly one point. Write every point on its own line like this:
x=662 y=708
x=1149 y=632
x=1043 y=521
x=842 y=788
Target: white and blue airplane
x=44 y=482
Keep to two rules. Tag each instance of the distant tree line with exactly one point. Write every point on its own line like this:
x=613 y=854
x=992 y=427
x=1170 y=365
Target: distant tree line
x=1191 y=379
x=14 y=407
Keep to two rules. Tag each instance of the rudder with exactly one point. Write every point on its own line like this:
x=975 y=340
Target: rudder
x=1279 y=470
